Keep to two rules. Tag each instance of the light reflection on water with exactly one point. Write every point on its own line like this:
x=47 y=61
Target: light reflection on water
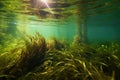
x=31 y=16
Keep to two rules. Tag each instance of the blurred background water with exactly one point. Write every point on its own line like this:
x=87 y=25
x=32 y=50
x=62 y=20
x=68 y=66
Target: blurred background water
x=91 y=20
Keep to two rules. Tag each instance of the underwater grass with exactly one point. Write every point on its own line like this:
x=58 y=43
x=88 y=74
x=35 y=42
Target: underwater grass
x=51 y=60
x=31 y=55
x=108 y=59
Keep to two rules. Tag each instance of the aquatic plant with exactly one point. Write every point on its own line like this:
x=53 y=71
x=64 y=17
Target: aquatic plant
x=67 y=65
x=11 y=52
x=53 y=44
x=39 y=59
x=108 y=59
x=55 y=62
x=31 y=55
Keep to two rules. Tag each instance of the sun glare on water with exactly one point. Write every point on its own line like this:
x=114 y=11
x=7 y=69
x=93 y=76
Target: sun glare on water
x=46 y=3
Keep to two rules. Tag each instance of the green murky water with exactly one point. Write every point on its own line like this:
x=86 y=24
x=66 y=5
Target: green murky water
x=91 y=20
x=54 y=39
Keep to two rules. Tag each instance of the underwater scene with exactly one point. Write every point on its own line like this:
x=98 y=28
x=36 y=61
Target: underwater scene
x=59 y=39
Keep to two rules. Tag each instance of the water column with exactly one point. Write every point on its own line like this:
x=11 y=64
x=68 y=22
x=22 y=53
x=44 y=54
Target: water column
x=81 y=29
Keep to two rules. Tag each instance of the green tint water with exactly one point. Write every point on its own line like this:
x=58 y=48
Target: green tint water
x=60 y=30
x=104 y=27
x=91 y=20
x=25 y=57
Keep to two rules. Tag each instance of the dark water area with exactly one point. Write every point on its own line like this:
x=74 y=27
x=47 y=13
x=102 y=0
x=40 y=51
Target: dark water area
x=104 y=27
